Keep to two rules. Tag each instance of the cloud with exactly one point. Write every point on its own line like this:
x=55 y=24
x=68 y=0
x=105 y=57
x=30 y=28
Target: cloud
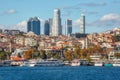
x=76 y=23
x=10 y=11
x=92 y=4
x=110 y=16
x=2 y=26
x=80 y=8
x=108 y=20
x=89 y=12
x=22 y=26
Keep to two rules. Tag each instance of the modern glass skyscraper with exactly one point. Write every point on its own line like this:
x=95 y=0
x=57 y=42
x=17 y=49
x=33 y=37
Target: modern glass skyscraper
x=82 y=24
x=56 y=27
x=29 y=26
x=33 y=25
x=46 y=28
x=68 y=27
x=50 y=24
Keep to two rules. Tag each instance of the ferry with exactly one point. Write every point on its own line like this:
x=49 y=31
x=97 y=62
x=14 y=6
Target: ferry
x=5 y=63
x=75 y=62
x=43 y=62
x=49 y=62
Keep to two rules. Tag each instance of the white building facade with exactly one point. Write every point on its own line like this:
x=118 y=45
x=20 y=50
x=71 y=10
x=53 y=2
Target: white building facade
x=56 y=27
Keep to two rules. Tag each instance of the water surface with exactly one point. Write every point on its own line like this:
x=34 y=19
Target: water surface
x=60 y=73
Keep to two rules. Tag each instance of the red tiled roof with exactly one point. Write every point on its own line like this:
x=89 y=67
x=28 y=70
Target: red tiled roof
x=15 y=58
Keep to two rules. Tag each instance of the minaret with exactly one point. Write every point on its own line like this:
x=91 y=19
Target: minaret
x=82 y=24
x=56 y=27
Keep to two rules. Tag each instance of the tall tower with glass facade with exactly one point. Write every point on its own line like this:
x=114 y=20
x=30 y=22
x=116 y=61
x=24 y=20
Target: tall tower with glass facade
x=46 y=28
x=68 y=27
x=50 y=25
x=56 y=27
x=33 y=25
x=82 y=24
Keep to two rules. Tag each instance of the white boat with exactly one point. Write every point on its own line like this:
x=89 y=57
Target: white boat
x=98 y=63
x=30 y=63
x=116 y=63
x=75 y=62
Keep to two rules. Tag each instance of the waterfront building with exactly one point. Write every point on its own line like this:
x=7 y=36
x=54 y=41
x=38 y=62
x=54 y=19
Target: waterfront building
x=82 y=24
x=68 y=27
x=56 y=27
x=33 y=25
x=46 y=28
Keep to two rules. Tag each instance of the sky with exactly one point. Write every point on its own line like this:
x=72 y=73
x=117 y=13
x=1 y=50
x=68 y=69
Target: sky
x=101 y=15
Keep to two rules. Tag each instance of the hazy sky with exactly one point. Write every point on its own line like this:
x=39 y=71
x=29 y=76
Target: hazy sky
x=100 y=15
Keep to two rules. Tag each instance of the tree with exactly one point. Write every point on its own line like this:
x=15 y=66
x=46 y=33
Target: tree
x=89 y=59
x=42 y=54
x=117 y=55
x=57 y=56
x=2 y=56
x=84 y=53
x=5 y=55
x=28 y=54
x=77 y=54
x=49 y=55
x=68 y=55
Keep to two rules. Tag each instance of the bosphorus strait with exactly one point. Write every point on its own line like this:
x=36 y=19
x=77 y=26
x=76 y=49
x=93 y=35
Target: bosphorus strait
x=60 y=73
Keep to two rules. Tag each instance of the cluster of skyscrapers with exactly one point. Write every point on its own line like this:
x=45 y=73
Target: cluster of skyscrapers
x=53 y=26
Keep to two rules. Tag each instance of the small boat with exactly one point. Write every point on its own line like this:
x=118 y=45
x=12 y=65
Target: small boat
x=67 y=63
x=29 y=63
x=116 y=63
x=107 y=64
x=75 y=62
x=84 y=63
x=98 y=63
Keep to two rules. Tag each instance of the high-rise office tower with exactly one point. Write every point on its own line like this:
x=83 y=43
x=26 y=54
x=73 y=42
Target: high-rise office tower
x=29 y=26
x=68 y=27
x=46 y=28
x=56 y=27
x=33 y=25
x=50 y=25
x=82 y=24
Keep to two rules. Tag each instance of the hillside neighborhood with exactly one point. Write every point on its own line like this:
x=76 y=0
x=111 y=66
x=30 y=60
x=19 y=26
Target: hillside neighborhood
x=30 y=45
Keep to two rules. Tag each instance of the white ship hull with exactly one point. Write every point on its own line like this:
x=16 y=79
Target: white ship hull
x=75 y=64
x=98 y=64
x=116 y=64
x=29 y=63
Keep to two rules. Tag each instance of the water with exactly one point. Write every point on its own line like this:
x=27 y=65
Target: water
x=60 y=73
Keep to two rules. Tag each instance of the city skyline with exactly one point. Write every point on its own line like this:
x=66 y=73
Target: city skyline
x=100 y=15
